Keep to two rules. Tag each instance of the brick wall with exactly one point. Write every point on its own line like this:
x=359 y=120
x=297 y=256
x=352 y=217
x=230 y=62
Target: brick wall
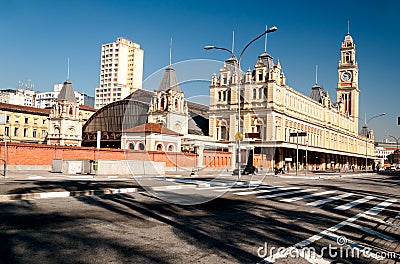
x=37 y=154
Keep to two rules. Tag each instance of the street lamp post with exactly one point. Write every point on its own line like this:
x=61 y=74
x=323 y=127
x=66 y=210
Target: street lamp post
x=366 y=136
x=238 y=136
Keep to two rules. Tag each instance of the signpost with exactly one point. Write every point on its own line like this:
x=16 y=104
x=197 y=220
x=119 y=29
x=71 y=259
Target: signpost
x=297 y=135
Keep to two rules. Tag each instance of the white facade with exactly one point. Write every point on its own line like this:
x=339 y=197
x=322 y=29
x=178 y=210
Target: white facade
x=18 y=97
x=47 y=99
x=65 y=128
x=121 y=71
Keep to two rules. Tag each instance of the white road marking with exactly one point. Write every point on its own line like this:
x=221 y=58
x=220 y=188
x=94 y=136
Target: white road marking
x=372 y=232
x=54 y=194
x=383 y=205
x=354 y=203
x=328 y=232
x=285 y=193
x=330 y=199
x=289 y=200
x=235 y=189
x=380 y=221
x=33 y=177
x=270 y=189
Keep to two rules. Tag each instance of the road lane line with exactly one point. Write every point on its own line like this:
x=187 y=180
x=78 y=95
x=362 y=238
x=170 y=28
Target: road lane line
x=285 y=193
x=330 y=199
x=289 y=200
x=272 y=189
x=354 y=203
x=328 y=232
x=381 y=207
x=372 y=232
x=235 y=189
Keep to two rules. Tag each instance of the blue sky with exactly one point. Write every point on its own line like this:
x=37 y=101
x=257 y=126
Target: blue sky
x=38 y=36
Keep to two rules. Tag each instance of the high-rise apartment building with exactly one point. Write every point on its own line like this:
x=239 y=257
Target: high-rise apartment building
x=121 y=71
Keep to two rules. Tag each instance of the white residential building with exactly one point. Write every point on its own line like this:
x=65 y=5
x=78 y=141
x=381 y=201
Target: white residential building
x=47 y=99
x=17 y=96
x=121 y=71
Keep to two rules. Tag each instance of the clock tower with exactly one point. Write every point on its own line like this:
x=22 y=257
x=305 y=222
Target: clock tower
x=347 y=91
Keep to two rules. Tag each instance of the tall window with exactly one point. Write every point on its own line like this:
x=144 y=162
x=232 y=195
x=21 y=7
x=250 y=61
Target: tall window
x=7 y=131
x=254 y=93
x=25 y=132
x=224 y=133
x=34 y=134
x=15 y=131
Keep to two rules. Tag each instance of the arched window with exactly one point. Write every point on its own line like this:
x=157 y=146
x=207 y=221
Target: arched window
x=159 y=147
x=141 y=146
x=171 y=147
x=162 y=104
x=131 y=146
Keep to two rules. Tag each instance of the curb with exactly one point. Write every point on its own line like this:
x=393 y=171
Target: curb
x=63 y=194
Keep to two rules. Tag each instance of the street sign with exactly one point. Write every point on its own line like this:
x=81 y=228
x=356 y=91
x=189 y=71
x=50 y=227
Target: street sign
x=238 y=136
x=298 y=134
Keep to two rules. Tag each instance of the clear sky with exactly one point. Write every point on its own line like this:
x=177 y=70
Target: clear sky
x=38 y=36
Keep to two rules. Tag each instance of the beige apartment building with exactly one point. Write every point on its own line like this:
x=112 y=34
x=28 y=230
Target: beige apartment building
x=271 y=112
x=121 y=71
x=24 y=123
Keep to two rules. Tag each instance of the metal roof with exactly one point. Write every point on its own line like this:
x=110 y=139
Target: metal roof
x=169 y=81
x=67 y=93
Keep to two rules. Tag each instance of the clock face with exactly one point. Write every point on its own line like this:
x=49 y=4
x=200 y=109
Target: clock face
x=346 y=76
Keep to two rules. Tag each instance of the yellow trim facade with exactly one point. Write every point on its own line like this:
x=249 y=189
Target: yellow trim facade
x=270 y=111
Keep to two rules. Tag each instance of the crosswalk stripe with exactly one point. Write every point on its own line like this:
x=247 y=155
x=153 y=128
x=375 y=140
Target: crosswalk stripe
x=376 y=210
x=328 y=232
x=354 y=203
x=372 y=232
x=289 y=200
x=236 y=189
x=330 y=199
x=285 y=193
x=271 y=189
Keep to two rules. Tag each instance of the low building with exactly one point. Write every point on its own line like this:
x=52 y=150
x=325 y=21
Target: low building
x=24 y=123
x=151 y=137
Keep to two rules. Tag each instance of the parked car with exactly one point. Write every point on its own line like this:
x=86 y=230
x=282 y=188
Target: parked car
x=391 y=168
x=245 y=170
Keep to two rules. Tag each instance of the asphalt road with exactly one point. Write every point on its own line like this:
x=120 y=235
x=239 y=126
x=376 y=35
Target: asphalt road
x=243 y=224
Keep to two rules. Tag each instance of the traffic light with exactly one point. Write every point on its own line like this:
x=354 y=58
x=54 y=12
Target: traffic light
x=398 y=120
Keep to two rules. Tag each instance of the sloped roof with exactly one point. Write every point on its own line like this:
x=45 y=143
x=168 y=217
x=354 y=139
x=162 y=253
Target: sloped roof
x=169 y=81
x=24 y=109
x=153 y=128
x=67 y=93
x=317 y=93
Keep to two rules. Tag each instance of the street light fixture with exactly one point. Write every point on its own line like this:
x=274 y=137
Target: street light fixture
x=237 y=71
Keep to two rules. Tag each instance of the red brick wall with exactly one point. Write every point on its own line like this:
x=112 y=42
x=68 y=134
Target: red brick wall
x=37 y=154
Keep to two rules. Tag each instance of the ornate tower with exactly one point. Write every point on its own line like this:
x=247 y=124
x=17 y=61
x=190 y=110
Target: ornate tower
x=168 y=105
x=347 y=90
x=65 y=123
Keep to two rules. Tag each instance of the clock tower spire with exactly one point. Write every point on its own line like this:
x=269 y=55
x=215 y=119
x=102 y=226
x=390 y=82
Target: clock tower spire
x=347 y=90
